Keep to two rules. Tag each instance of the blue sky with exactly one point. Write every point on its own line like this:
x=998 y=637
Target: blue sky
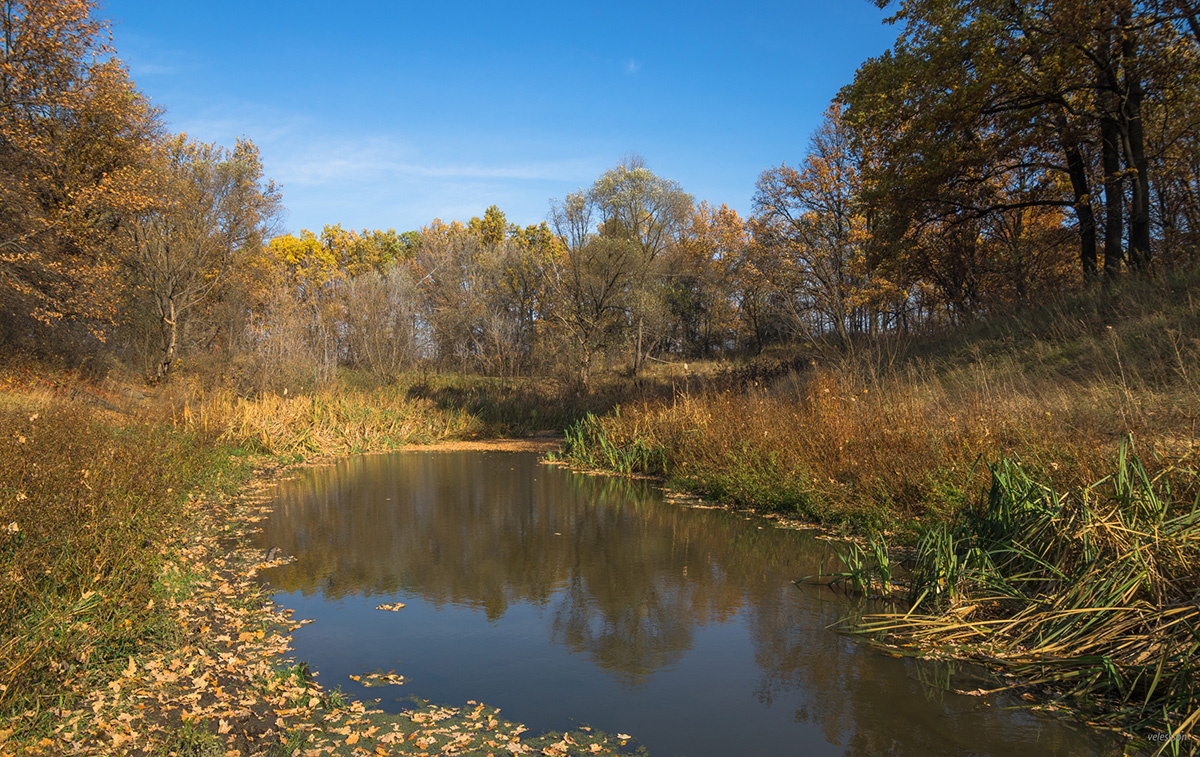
x=390 y=114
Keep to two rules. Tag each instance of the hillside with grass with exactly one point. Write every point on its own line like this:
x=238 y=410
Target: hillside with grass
x=1026 y=489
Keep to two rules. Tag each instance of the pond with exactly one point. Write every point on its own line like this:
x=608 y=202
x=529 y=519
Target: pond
x=567 y=599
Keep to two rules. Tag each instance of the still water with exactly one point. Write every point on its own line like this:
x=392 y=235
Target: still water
x=568 y=600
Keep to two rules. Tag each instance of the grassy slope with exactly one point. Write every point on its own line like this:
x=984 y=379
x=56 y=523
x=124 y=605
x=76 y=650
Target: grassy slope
x=897 y=429
x=1041 y=468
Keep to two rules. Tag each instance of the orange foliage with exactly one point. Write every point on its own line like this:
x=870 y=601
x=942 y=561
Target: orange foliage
x=73 y=134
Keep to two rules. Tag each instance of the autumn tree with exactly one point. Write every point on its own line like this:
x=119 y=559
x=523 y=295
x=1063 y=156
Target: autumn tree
x=813 y=221
x=383 y=319
x=484 y=290
x=989 y=107
x=699 y=283
x=73 y=135
x=609 y=282
x=212 y=208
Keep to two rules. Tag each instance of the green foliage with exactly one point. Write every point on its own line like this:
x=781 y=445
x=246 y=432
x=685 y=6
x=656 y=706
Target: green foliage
x=589 y=444
x=868 y=571
x=751 y=477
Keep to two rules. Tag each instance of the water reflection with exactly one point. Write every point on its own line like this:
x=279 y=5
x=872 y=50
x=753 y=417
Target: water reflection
x=693 y=635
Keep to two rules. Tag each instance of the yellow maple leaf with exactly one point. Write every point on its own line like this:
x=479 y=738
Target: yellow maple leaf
x=352 y=738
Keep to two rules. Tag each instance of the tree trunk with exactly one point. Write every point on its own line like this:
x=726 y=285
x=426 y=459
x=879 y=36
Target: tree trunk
x=1114 y=198
x=170 y=337
x=1133 y=134
x=637 y=355
x=1135 y=157
x=1083 y=204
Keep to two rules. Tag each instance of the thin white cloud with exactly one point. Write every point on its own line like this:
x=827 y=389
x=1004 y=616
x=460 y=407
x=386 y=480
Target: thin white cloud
x=632 y=66
x=394 y=180
x=314 y=169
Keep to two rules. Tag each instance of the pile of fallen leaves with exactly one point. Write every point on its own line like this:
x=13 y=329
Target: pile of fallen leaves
x=227 y=685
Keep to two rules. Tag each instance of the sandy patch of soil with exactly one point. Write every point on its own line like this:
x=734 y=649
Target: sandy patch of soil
x=542 y=444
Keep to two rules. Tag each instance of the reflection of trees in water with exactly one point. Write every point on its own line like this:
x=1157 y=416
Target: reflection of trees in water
x=632 y=639
x=867 y=703
x=637 y=575
x=627 y=580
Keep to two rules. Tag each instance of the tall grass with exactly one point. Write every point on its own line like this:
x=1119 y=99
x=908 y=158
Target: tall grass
x=358 y=412
x=1090 y=595
x=846 y=444
x=330 y=421
x=887 y=431
x=87 y=511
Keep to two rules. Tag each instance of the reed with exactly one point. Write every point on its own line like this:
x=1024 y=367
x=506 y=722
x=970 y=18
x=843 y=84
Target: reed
x=1088 y=597
x=587 y=444
x=325 y=422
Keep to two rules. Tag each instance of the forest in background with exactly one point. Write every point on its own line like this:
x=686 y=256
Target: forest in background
x=1000 y=154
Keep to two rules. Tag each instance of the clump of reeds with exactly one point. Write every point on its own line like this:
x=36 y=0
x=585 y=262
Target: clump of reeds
x=588 y=444
x=1091 y=596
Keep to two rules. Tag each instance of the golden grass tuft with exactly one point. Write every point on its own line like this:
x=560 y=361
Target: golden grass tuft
x=325 y=422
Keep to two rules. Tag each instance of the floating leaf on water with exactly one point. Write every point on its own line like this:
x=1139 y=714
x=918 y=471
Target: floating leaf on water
x=393 y=607
x=380 y=679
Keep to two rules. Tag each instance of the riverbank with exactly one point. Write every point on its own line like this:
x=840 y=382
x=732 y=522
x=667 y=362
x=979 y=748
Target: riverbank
x=105 y=488
x=133 y=623
x=1027 y=487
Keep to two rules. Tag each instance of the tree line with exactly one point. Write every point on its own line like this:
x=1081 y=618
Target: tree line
x=1002 y=152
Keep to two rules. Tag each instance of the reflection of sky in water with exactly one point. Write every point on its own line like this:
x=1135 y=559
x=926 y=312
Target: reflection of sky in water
x=568 y=599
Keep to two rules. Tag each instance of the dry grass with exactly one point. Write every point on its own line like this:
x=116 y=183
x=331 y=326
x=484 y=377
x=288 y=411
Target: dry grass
x=360 y=413
x=895 y=430
x=325 y=422
x=87 y=511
